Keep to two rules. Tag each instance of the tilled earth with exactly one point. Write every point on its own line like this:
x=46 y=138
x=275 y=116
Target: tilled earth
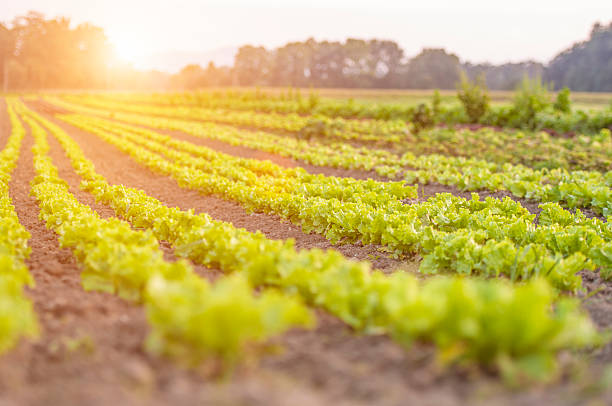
x=90 y=351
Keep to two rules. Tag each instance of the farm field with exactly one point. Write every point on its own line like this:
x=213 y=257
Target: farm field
x=583 y=100
x=199 y=248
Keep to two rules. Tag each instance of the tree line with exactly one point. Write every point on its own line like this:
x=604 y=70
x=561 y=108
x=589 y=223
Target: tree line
x=585 y=66
x=40 y=53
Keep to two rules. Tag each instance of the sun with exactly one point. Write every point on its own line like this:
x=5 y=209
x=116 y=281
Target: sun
x=130 y=50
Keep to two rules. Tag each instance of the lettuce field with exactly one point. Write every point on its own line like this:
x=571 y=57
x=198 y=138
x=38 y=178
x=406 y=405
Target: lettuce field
x=227 y=249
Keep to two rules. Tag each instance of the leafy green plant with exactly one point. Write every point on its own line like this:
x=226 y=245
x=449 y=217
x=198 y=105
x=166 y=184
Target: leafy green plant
x=192 y=321
x=562 y=102
x=436 y=104
x=422 y=117
x=313 y=99
x=474 y=97
x=532 y=96
x=17 y=318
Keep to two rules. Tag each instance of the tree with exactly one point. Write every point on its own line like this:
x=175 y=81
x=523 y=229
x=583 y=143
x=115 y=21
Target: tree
x=50 y=54
x=357 y=69
x=327 y=64
x=290 y=64
x=586 y=66
x=190 y=77
x=433 y=68
x=507 y=76
x=252 y=65
x=7 y=47
x=386 y=60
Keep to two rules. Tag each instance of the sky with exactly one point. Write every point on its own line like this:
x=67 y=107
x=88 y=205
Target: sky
x=475 y=30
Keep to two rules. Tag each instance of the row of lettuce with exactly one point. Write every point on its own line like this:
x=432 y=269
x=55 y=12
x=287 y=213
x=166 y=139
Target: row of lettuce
x=585 y=189
x=17 y=317
x=364 y=130
x=534 y=149
x=511 y=326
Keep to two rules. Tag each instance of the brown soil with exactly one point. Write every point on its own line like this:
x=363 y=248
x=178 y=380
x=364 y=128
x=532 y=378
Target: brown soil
x=597 y=300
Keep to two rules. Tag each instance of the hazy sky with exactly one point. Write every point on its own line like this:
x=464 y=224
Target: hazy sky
x=476 y=30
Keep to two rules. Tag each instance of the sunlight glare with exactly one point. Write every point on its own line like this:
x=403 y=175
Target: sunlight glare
x=130 y=50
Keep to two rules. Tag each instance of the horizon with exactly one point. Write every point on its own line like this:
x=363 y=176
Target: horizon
x=207 y=31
